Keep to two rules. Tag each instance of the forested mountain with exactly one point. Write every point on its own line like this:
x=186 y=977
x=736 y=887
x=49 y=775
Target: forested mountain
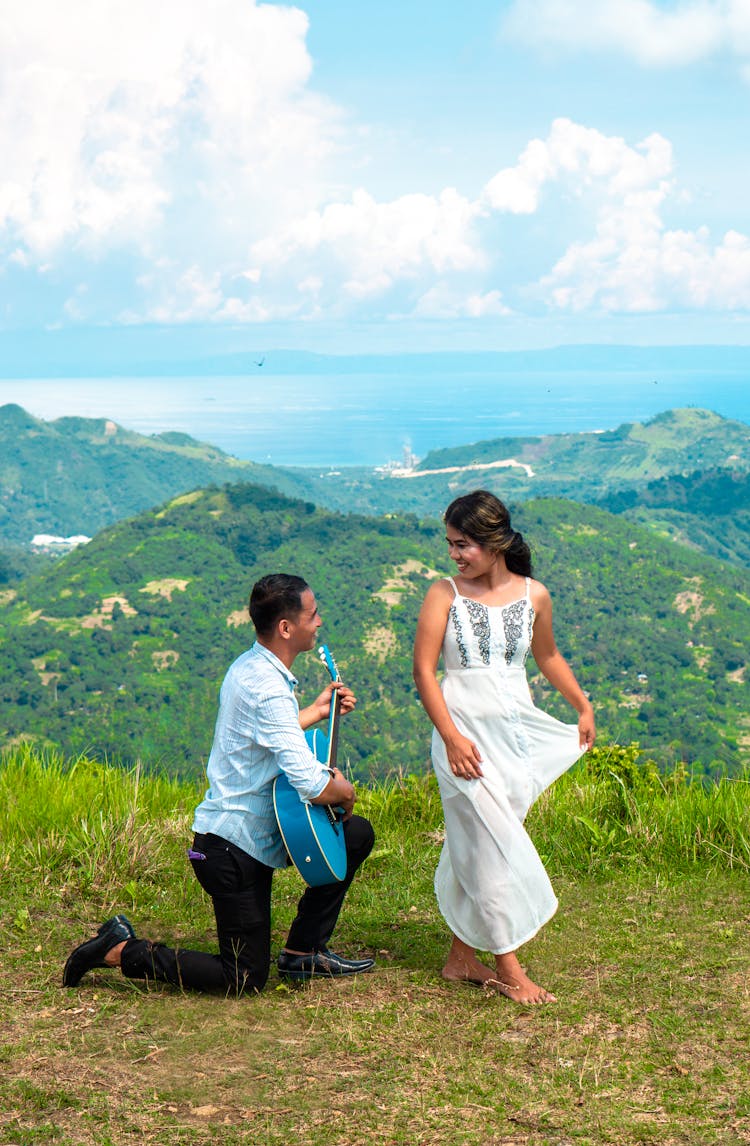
x=707 y=510
x=685 y=474
x=119 y=648
x=676 y=441
x=77 y=475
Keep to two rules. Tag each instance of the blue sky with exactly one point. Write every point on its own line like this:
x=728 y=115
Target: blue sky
x=385 y=176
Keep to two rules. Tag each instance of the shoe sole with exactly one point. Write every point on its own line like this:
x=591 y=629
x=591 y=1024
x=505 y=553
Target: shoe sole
x=305 y=976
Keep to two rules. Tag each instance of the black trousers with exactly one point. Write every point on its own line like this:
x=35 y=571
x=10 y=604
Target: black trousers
x=240 y=888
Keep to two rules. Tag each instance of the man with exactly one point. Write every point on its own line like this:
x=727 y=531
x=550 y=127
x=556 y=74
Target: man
x=237 y=844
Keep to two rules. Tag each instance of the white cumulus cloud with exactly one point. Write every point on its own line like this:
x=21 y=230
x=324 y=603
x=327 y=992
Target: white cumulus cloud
x=580 y=156
x=650 y=33
x=153 y=127
x=364 y=247
x=172 y=163
x=633 y=261
x=442 y=301
x=654 y=270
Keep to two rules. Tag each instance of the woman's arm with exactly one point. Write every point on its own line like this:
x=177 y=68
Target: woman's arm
x=555 y=668
x=463 y=754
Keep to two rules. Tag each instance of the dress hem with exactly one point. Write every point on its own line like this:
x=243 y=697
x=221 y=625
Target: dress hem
x=505 y=950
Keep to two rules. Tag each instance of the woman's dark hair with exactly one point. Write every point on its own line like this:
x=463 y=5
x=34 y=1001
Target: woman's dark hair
x=483 y=517
x=274 y=597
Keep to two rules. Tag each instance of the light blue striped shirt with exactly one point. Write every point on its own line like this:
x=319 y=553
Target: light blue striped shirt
x=257 y=736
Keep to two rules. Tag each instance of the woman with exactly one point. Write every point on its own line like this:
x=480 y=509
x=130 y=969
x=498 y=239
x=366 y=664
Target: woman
x=493 y=751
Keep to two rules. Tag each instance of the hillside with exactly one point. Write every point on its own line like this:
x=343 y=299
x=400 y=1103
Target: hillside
x=585 y=466
x=675 y=441
x=119 y=648
x=685 y=474
x=77 y=475
x=708 y=510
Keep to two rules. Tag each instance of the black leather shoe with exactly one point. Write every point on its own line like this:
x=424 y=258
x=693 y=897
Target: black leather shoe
x=91 y=953
x=323 y=962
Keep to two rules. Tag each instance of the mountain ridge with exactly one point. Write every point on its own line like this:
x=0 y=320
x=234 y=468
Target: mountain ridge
x=77 y=475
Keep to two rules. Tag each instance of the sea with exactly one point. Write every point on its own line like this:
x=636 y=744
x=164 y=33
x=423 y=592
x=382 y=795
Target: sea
x=372 y=419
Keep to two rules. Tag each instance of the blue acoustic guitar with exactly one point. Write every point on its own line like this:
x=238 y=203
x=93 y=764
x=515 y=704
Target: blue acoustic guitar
x=313 y=834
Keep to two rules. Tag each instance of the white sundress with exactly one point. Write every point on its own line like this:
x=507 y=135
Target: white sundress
x=490 y=883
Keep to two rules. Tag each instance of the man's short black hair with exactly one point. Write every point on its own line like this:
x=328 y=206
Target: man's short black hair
x=274 y=597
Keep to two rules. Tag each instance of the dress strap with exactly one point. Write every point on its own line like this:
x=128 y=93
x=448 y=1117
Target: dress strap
x=528 y=588
x=453 y=583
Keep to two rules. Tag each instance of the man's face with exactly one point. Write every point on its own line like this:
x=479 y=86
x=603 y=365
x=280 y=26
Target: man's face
x=304 y=628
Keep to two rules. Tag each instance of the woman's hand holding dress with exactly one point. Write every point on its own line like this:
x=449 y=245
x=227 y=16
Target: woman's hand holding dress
x=586 y=727
x=556 y=669
x=463 y=757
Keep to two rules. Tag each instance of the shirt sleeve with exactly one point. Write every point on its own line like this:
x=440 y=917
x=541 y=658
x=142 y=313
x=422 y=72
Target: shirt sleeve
x=278 y=730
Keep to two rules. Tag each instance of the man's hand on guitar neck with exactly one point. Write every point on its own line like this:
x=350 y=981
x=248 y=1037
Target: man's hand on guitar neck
x=338 y=792
x=321 y=707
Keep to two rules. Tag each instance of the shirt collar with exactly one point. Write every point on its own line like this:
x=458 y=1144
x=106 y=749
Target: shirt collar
x=262 y=651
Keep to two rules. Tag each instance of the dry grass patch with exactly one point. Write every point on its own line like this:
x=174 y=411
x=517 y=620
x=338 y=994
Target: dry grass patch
x=396 y=585
x=635 y=699
x=692 y=600
x=101 y=618
x=237 y=618
x=183 y=499
x=380 y=642
x=165 y=587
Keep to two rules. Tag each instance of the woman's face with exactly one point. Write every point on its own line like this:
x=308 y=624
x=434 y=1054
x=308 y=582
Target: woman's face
x=472 y=559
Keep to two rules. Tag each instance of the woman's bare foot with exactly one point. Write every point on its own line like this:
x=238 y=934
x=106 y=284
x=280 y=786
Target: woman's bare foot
x=462 y=965
x=511 y=980
x=467 y=972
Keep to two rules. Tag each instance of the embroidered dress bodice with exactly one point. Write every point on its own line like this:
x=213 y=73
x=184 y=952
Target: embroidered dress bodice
x=482 y=636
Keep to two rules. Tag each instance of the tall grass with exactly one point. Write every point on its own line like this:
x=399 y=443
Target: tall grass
x=78 y=824
x=613 y=810
x=589 y=825
x=78 y=819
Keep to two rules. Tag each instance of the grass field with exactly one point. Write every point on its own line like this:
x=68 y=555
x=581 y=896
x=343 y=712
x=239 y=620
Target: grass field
x=648 y=956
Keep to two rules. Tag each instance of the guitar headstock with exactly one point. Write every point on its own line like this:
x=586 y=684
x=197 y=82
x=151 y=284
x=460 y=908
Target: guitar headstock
x=327 y=658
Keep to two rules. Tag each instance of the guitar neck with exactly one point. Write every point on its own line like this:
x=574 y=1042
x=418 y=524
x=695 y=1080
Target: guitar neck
x=335 y=711
x=333 y=730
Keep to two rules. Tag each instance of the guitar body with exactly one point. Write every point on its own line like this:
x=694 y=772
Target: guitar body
x=313 y=834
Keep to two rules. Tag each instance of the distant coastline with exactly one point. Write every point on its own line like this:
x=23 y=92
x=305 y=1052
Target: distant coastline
x=171 y=352
x=330 y=422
